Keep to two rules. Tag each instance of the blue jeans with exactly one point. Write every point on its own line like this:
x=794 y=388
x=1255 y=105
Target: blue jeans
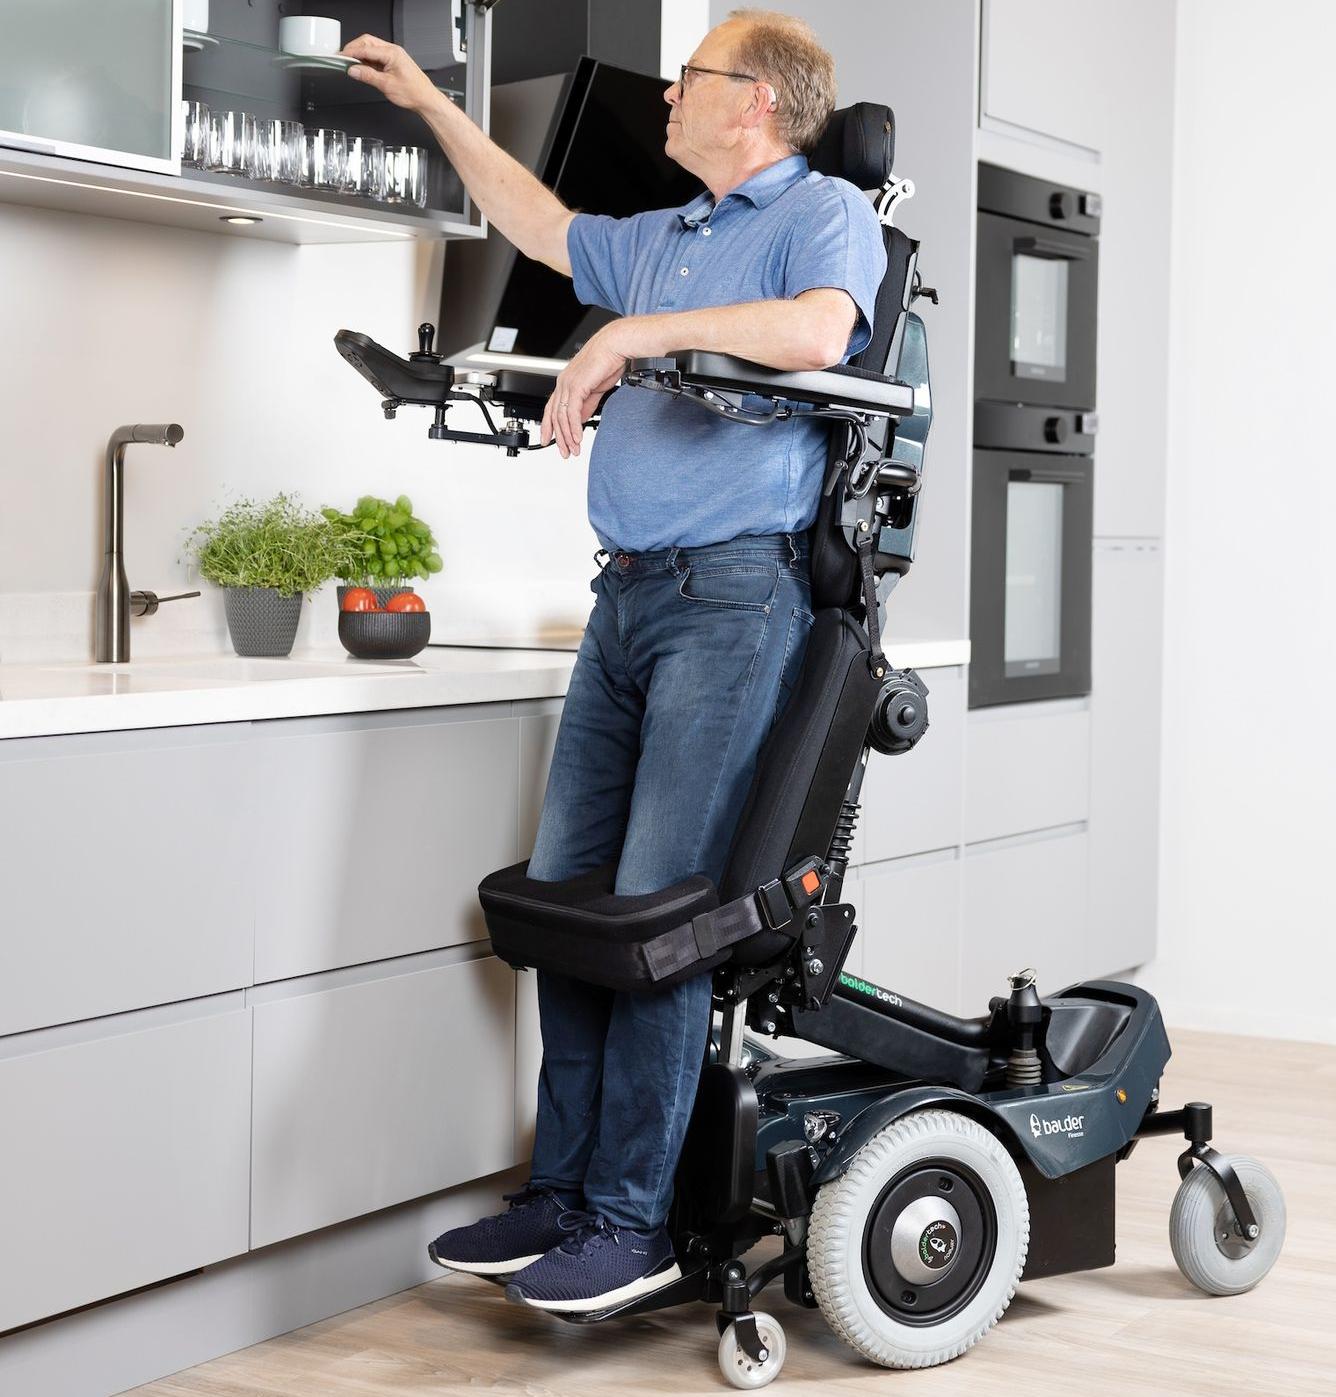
x=688 y=659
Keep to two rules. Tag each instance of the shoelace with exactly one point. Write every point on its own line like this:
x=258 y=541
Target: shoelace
x=588 y=1232
x=568 y=1219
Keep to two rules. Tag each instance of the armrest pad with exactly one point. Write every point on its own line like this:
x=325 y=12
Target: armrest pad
x=840 y=386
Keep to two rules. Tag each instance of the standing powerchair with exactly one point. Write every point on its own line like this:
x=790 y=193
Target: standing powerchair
x=930 y=1163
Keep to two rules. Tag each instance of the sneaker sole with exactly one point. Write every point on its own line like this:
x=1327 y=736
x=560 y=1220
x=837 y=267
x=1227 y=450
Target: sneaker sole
x=619 y=1296
x=483 y=1268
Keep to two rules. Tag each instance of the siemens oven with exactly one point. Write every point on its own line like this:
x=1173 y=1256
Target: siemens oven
x=1034 y=439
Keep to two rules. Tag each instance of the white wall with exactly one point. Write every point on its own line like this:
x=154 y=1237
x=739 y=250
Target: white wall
x=108 y=322
x=1248 y=897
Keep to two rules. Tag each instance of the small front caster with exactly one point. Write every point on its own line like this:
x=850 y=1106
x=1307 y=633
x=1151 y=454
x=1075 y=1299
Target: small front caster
x=1207 y=1243
x=743 y=1369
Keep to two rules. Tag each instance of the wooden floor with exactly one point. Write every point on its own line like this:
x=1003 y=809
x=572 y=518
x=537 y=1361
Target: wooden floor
x=1134 y=1329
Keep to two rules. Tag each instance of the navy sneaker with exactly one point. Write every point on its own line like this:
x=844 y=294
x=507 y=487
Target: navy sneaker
x=512 y=1240
x=598 y=1265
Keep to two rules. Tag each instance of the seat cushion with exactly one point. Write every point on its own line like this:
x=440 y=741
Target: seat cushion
x=579 y=927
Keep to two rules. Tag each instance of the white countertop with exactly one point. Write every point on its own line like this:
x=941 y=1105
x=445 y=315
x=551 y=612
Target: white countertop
x=41 y=700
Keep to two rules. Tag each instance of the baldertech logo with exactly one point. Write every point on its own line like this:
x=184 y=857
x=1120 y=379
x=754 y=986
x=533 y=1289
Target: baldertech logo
x=874 y=991
x=1073 y=1127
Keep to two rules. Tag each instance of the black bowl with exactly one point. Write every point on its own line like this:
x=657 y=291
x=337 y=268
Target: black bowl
x=384 y=635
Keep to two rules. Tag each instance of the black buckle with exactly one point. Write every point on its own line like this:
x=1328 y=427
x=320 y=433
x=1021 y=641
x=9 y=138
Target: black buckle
x=774 y=904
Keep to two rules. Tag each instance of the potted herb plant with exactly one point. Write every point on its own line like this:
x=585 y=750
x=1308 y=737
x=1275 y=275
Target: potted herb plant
x=266 y=557
x=387 y=547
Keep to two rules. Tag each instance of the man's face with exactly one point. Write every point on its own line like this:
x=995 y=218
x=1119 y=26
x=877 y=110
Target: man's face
x=705 y=119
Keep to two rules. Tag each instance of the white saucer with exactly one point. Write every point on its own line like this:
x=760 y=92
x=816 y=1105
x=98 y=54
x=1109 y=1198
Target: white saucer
x=193 y=40
x=317 y=62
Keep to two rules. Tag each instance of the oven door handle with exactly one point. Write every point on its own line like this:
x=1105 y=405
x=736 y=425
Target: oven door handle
x=1044 y=247
x=1050 y=475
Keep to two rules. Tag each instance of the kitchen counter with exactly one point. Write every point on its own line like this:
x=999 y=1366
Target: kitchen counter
x=42 y=700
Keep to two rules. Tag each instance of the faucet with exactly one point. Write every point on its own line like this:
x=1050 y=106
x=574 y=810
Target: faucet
x=115 y=600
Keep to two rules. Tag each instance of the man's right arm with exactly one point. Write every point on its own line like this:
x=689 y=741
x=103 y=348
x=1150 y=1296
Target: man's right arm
x=523 y=209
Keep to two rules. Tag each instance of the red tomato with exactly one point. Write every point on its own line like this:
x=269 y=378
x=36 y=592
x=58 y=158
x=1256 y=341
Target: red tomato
x=405 y=601
x=360 y=599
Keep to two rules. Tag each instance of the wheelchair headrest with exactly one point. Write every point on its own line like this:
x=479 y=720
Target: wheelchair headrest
x=858 y=144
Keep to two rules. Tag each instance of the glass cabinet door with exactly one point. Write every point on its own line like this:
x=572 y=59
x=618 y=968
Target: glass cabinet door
x=92 y=79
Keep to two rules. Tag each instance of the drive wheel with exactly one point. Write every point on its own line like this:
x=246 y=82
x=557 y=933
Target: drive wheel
x=739 y=1367
x=916 y=1250
x=1210 y=1250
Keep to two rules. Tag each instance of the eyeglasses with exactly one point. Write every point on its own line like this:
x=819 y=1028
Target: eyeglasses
x=718 y=72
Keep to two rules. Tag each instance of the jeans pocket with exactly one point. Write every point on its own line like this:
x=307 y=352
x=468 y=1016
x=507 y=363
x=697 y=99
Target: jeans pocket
x=795 y=650
x=732 y=586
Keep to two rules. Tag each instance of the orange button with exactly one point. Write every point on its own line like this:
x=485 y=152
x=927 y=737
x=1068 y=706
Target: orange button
x=810 y=881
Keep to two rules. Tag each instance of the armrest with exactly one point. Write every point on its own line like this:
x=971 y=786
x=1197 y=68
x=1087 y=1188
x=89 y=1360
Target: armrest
x=840 y=386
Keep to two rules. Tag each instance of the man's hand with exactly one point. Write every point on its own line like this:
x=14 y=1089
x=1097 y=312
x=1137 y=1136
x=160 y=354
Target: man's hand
x=581 y=384
x=388 y=68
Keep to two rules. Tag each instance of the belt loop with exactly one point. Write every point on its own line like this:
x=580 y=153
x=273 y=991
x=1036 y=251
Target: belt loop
x=672 y=560
x=793 y=548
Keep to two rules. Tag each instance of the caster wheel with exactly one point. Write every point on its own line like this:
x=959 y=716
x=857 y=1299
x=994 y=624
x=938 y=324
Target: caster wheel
x=1207 y=1245
x=739 y=1367
x=916 y=1249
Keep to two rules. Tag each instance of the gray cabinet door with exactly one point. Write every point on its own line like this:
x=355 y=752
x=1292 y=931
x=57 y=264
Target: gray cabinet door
x=1125 y=755
x=912 y=803
x=1025 y=905
x=370 y=1094
x=1027 y=767
x=909 y=927
x=374 y=832
x=123 y=859
x=125 y=1160
x=1036 y=69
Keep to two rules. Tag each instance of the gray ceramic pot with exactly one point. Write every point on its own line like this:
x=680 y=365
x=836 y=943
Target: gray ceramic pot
x=261 y=620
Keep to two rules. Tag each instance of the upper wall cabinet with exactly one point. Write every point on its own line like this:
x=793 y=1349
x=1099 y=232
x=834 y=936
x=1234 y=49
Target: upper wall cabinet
x=193 y=113
x=1035 y=68
x=92 y=81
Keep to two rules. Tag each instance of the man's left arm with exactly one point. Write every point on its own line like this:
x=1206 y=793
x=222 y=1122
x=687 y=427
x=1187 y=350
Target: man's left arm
x=809 y=332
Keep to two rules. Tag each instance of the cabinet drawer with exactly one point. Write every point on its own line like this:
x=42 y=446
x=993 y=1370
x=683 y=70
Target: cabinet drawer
x=1027 y=767
x=118 y=853
x=370 y=1094
x=374 y=832
x=1025 y=905
x=912 y=803
x=126 y=1161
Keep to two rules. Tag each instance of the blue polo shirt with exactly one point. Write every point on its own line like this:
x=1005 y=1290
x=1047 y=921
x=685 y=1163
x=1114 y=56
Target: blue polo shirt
x=663 y=471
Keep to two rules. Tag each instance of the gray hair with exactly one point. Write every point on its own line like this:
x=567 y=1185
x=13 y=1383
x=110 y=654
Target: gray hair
x=786 y=53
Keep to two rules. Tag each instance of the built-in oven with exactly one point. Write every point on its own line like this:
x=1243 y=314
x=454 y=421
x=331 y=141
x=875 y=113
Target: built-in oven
x=1036 y=291
x=1034 y=438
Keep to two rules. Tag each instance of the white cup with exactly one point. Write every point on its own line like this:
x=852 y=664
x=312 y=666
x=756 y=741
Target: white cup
x=309 y=35
x=195 y=15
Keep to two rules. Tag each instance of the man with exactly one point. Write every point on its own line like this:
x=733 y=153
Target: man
x=702 y=606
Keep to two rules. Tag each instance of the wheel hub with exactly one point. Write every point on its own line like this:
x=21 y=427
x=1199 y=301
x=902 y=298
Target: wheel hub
x=925 y=1240
x=929 y=1241
x=1231 y=1242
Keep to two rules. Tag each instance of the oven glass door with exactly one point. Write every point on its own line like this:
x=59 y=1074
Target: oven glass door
x=1030 y=577
x=1035 y=324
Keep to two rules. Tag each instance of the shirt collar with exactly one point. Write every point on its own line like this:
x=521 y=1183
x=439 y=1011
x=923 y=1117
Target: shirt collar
x=761 y=189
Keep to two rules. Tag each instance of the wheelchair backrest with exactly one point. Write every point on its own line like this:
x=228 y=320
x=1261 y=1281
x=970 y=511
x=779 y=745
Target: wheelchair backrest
x=804 y=769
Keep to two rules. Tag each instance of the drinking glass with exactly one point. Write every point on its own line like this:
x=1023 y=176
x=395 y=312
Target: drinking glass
x=366 y=167
x=281 y=146
x=195 y=144
x=233 y=144
x=406 y=175
x=325 y=159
